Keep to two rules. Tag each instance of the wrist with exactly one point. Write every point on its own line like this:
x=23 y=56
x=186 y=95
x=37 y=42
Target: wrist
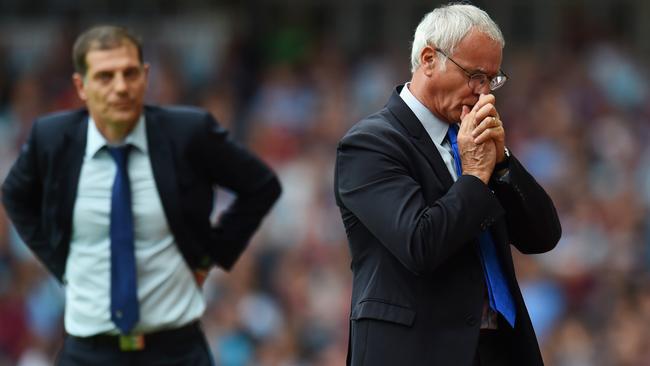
x=504 y=164
x=482 y=176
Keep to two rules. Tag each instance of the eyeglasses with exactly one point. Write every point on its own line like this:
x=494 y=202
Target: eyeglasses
x=478 y=80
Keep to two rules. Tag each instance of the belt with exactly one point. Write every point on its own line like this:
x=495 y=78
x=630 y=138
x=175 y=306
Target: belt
x=138 y=342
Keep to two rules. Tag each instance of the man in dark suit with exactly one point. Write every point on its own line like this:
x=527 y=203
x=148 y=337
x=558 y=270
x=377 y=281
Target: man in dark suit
x=116 y=199
x=431 y=200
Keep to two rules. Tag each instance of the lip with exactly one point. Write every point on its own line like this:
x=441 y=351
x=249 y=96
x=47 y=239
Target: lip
x=121 y=105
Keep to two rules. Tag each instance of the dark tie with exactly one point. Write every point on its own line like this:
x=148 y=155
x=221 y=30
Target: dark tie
x=125 y=311
x=498 y=294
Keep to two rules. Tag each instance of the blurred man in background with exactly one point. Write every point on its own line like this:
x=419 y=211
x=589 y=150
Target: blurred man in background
x=431 y=200
x=115 y=200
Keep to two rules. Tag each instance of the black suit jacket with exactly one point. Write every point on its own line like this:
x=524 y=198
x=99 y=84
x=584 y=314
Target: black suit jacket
x=418 y=287
x=189 y=154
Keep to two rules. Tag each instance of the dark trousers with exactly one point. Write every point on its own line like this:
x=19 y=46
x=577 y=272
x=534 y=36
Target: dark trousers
x=173 y=348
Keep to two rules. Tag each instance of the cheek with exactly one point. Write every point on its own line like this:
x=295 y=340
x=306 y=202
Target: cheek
x=464 y=97
x=92 y=99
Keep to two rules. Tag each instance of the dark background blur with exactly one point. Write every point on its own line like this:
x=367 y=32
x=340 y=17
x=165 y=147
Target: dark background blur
x=289 y=78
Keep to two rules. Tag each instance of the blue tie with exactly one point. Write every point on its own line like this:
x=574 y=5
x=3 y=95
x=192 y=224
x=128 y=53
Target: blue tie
x=498 y=294
x=125 y=311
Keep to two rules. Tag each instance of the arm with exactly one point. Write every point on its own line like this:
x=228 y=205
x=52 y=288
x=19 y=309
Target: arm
x=256 y=187
x=374 y=183
x=533 y=224
x=22 y=193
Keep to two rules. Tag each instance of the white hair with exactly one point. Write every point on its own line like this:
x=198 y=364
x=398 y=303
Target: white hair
x=446 y=26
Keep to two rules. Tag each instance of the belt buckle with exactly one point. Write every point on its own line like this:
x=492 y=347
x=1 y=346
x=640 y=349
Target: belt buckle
x=132 y=342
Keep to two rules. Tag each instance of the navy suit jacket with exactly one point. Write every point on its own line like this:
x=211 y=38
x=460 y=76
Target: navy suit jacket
x=418 y=287
x=190 y=154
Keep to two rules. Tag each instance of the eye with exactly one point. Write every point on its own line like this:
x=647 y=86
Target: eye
x=480 y=78
x=104 y=76
x=131 y=73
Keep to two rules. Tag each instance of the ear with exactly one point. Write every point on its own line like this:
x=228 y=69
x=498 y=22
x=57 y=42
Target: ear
x=145 y=67
x=78 y=81
x=428 y=58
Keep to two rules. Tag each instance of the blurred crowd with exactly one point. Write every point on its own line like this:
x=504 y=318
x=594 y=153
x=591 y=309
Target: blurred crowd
x=576 y=117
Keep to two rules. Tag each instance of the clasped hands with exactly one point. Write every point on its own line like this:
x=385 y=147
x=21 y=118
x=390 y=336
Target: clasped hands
x=481 y=138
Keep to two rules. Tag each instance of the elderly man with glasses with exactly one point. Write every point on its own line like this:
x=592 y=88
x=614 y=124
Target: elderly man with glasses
x=432 y=201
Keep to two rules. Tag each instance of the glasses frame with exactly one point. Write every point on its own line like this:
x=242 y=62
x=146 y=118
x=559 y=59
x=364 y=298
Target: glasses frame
x=479 y=77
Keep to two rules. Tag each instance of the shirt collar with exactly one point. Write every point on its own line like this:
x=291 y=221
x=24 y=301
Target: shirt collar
x=436 y=128
x=95 y=141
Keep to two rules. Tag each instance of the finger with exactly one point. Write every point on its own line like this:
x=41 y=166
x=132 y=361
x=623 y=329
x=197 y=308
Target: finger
x=487 y=122
x=484 y=99
x=487 y=110
x=495 y=133
x=467 y=120
x=200 y=276
x=464 y=112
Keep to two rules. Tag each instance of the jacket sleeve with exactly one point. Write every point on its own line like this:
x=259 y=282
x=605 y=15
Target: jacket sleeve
x=255 y=185
x=373 y=181
x=531 y=218
x=22 y=193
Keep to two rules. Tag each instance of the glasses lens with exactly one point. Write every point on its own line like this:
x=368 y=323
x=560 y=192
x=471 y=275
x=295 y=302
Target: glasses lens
x=498 y=82
x=477 y=81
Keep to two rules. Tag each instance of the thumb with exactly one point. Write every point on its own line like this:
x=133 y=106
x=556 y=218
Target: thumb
x=464 y=113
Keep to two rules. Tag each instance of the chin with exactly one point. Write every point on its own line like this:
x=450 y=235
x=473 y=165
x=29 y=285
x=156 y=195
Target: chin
x=126 y=117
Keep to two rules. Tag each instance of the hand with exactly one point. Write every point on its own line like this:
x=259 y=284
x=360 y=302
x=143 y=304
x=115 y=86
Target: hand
x=200 y=275
x=477 y=159
x=490 y=126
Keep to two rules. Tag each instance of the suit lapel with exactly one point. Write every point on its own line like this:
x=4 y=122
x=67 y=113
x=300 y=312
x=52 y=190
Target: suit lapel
x=164 y=168
x=419 y=136
x=70 y=158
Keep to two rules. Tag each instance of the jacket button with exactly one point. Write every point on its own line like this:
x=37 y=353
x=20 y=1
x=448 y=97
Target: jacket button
x=471 y=320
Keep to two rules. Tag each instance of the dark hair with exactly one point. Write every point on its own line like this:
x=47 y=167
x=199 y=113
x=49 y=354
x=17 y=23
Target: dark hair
x=103 y=37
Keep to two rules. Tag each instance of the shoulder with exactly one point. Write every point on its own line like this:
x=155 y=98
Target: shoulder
x=381 y=127
x=184 y=124
x=61 y=119
x=173 y=114
x=50 y=128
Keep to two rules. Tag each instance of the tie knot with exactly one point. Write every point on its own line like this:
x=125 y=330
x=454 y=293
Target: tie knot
x=452 y=132
x=120 y=154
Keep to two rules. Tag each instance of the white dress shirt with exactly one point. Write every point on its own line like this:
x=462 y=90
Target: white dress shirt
x=436 y=129
x=167 y=292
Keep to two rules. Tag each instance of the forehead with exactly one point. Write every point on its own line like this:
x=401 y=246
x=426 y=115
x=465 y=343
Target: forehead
x=479 y=52
x=120 y=57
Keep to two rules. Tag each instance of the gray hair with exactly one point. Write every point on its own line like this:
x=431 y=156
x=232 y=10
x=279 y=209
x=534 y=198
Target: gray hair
x=446 y=26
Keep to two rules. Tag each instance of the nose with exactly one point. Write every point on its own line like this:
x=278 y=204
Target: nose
x=482 y=89
x=120 y=83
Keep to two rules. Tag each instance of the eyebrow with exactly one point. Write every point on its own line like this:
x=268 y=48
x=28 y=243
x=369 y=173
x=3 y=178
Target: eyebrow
x=480 y=70
x=104 y=72
x=477 y=70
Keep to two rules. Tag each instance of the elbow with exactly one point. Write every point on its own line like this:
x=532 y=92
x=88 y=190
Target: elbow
x=277 y=188
x=274 y=189
x=546 y=240
x=554 y=235
x=268 y=193
x=421 y=258
x=416 y=267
